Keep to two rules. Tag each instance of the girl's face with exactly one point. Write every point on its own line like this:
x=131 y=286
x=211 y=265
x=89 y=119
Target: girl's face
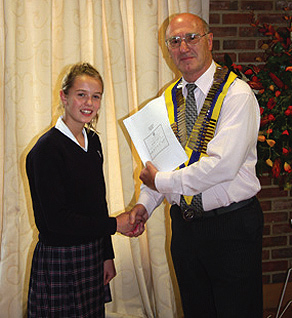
x=82 y=101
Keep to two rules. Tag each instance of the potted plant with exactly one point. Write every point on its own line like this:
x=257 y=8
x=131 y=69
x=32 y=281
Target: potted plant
x=271 y=82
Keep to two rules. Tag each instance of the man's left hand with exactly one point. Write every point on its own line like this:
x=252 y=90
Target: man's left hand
x=148 y=174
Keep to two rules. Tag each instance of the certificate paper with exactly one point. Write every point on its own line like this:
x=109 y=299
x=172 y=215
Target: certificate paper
x=153 y=137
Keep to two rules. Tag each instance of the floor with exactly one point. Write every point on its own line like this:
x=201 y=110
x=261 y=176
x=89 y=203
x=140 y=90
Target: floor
x=271 y=313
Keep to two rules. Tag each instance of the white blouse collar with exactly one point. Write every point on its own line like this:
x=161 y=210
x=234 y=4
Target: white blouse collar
x=60 y=125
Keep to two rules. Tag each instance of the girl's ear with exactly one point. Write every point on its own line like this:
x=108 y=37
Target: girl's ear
x=63 y=97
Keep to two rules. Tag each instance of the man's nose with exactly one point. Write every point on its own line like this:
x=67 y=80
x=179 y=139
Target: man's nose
x=183 y=46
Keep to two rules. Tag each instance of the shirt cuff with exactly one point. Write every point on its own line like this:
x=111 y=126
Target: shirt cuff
x=164 y=182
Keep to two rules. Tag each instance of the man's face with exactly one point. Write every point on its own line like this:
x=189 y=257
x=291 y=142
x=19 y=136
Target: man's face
x=191 y=60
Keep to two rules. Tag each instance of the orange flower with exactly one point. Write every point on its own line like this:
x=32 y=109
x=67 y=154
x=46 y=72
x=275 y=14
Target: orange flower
x=276 y=169
x=261 y=138
x=265 y=46
x=287 y=167
x=271 y=142
x=289 y=68
x=269 y=162
x=261 y=91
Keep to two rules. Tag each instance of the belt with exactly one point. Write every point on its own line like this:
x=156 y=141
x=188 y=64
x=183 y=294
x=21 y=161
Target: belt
x=191 y=215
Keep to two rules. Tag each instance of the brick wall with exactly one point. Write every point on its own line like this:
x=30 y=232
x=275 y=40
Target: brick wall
x=277 y=242
x=233 y=34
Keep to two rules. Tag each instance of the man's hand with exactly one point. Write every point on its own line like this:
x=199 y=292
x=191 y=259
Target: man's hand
x=148 y=174
x=130 y=227
x=123 y=223
x=138 y=214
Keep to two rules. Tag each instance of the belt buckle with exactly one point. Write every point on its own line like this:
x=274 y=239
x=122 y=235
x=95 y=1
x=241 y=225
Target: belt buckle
x=190 y=214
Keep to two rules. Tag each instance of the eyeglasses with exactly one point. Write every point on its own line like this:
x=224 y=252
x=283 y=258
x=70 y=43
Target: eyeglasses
x=190 y=38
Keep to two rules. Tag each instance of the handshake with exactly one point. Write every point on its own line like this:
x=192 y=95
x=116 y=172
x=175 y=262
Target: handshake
x=132 y=223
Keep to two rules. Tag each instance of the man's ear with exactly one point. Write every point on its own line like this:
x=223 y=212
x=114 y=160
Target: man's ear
x=210 y=40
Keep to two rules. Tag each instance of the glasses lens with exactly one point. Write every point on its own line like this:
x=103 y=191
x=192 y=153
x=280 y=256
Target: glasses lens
x=174 y=42
x=192 y=38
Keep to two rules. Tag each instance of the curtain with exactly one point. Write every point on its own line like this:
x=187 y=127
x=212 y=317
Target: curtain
x=124 y=40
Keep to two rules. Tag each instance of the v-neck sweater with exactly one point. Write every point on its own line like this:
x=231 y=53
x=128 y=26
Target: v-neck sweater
x=68 y=190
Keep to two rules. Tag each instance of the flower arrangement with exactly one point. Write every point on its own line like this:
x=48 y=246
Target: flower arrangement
x=272 y=85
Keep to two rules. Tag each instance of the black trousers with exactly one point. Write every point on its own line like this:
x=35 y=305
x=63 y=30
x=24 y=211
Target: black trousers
x=218 y=263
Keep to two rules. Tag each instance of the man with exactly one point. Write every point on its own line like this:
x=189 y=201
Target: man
x=217 y=221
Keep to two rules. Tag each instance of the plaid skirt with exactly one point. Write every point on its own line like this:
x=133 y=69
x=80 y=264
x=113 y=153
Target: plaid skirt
x=67 y=282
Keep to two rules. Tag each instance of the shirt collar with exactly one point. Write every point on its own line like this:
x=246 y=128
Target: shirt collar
x=60 y=125
x=204 y=82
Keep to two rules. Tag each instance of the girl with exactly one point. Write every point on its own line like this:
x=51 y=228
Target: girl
x=73 y=260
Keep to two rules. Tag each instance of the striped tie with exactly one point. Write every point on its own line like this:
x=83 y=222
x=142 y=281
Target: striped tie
x=191 y=108
x=191 y=114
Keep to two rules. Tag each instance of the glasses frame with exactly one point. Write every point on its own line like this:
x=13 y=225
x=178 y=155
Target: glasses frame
x=180 y=39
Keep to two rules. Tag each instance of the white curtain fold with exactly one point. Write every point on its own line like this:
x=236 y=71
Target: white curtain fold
x=124 y=40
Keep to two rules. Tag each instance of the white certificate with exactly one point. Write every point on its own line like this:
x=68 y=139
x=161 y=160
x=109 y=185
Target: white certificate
x=153 y=137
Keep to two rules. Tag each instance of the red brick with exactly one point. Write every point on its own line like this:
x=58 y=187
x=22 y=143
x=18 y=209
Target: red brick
x=248 y=31
x=275 y=217
x=274 y=192
x=266 y=205
x=216 y=45
x=281 y=229
x=238 y=44
x=223 y=5
x=250 y=57
x=280 y=205
x=275 y=19
x=265 y=180
x=219 y=57
x=223 y=31
x=273 y=241
x=236 y=18
x=282 y=253
x=274 y=266
x=279 y=278
x=214 y=18
x=267 y=230
x=256 y=5
x=265 y=255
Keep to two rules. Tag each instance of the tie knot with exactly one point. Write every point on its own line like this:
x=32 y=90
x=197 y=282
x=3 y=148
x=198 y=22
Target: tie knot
x=191 y=88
